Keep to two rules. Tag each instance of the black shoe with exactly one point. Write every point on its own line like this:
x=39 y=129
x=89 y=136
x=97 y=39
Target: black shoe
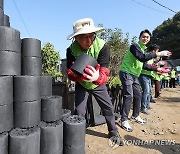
x=149 y=108
x=145 y=111
x=153 y=101
x=116 y=139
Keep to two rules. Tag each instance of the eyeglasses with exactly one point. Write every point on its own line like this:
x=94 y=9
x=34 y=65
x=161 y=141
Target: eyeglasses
x=84 y=37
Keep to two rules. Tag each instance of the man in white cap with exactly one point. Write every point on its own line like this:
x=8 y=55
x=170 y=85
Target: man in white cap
x=93 y=80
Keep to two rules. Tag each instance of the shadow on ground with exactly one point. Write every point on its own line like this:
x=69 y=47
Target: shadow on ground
x=95 y=133
x=171 y=99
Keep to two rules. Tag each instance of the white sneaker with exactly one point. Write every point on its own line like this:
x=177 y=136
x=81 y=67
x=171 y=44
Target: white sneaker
x=125 y=125
x=138 y=119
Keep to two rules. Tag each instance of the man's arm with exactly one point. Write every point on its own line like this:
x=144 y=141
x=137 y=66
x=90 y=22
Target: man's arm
x=138 y=53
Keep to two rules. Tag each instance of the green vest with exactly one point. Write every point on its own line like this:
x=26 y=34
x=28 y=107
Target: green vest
x=165 y=77
x=92 y=51
x=156 y=76
x=146 y=72
x=173 y=74
x=161 y=76
x=131 y=64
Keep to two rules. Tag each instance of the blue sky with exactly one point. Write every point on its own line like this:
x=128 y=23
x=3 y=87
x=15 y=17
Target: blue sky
x=51 y=20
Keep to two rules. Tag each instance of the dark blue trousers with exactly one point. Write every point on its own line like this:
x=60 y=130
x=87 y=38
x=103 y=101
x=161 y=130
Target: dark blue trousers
x=103 y=99
x=131 y=93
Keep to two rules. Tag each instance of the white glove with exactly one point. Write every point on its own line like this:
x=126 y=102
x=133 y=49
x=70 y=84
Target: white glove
x=91 y=73
x=163 y=53
x=161 y=63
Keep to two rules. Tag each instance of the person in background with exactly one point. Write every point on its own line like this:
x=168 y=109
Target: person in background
x=93 y=81
x=165 y=80
x=145 y=79
x=172 y=80
x=129 y=72
x=157 y=79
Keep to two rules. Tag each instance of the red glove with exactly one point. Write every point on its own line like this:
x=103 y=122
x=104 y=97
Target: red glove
x=159 y=73
x=74 y=77
x=166 y=70
x=103 y=76
x=154 y=65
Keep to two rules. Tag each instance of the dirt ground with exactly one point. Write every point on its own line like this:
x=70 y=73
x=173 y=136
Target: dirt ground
x=161 y=134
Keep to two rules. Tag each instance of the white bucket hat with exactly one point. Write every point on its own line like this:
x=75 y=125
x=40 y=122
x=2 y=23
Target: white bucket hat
x=84 y=26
